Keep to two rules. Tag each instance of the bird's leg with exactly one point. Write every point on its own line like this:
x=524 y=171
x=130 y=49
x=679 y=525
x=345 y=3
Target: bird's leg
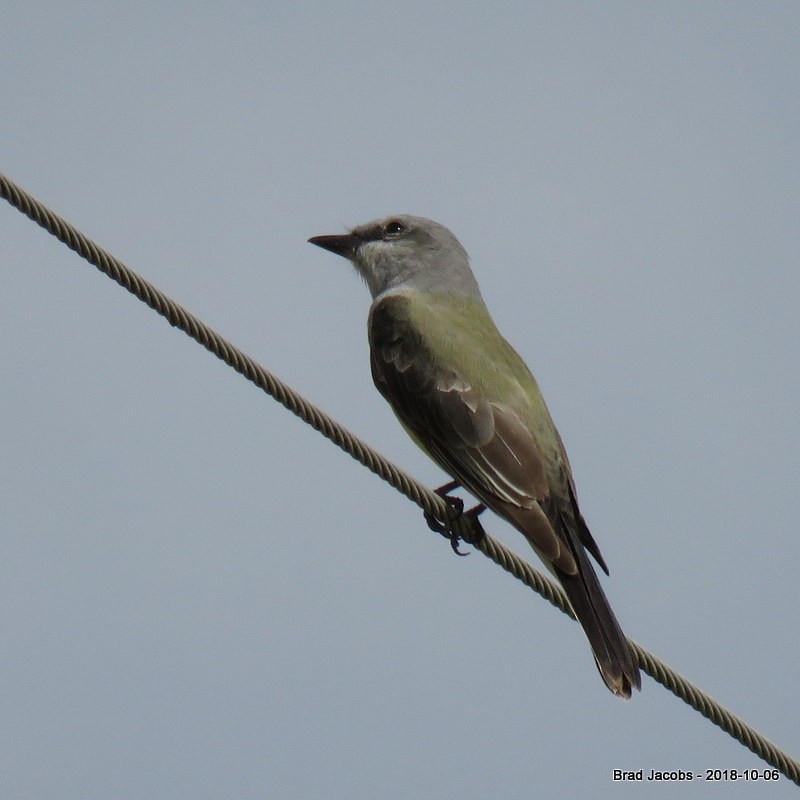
x=444 y=491
x=457 y=505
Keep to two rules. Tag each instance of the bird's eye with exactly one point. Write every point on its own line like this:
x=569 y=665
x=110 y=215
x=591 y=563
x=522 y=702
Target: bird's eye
x=394 y=228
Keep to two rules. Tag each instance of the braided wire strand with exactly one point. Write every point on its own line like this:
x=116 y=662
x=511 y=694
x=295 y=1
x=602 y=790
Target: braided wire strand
x=465 y=526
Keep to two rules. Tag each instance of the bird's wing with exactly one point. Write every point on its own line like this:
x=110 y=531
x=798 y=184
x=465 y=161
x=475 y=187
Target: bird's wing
x=483 y=444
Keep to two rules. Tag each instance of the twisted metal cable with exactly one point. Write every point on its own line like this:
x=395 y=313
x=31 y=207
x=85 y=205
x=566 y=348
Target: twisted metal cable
x=715 y=712
x=465 y=526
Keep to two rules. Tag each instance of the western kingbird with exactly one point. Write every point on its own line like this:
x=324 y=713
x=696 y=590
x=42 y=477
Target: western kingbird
x=470 y=402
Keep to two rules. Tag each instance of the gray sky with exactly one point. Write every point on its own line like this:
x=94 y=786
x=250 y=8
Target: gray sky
x=199 y=596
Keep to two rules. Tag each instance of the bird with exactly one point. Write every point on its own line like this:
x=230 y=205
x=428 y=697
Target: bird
x=471 y=404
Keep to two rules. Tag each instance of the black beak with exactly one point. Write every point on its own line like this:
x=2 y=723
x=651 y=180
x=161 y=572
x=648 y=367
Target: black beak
x=343 y=245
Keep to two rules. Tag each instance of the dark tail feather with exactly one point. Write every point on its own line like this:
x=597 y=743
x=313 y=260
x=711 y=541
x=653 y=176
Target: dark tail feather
x=613 y=655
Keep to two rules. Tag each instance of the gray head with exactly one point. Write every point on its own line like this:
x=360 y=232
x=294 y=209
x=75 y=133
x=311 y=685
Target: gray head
x=405 y=252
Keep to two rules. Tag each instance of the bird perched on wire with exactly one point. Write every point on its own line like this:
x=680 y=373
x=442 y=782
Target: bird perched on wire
x=470 y=402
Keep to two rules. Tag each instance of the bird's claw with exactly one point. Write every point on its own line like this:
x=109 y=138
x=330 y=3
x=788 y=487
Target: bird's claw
x=444 y=528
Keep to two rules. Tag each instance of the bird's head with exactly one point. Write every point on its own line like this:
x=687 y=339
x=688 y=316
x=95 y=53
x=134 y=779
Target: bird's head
x=404 y=251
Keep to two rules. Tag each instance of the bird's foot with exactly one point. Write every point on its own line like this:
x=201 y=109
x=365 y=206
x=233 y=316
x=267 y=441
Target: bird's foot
x=456 y=504
x=475 y=512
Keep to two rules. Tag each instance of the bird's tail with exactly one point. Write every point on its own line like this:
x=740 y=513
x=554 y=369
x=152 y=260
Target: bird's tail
x=566 y=557
x=613 y=654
